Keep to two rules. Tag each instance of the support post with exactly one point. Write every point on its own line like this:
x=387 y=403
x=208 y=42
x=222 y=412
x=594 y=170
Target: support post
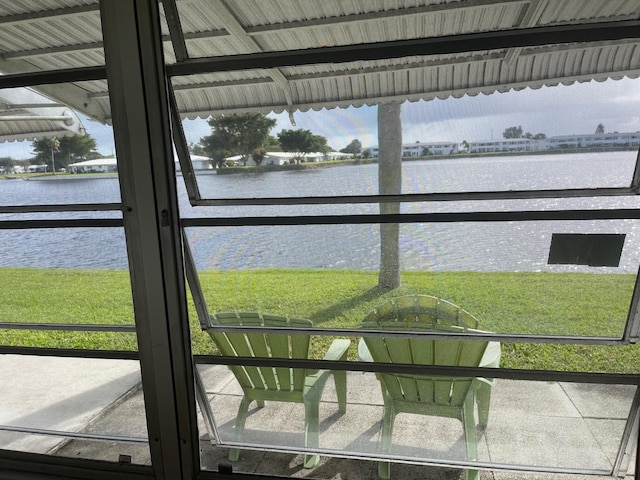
x=141 y=120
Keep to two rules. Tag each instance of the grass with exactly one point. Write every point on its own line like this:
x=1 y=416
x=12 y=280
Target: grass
x=540 y=303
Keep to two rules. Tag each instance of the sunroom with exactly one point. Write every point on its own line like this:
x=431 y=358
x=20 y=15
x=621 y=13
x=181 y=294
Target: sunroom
x=461 y=315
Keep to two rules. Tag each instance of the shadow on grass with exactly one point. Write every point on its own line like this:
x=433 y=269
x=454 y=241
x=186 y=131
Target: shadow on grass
x=339 y=309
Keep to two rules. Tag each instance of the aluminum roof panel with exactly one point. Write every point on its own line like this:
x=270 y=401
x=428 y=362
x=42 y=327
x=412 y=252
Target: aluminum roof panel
x=25 y=115
x=49 y=34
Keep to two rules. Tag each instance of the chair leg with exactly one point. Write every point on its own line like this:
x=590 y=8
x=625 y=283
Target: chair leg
x=384 y=468
x=340 y=379
x=470 y=437
x=234 y=453
x=483 y=399
x=311 y=431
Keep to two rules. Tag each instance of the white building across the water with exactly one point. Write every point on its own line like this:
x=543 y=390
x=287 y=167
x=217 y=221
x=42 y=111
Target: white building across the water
x=422 y=149
x=560 y=142
x=110 y=165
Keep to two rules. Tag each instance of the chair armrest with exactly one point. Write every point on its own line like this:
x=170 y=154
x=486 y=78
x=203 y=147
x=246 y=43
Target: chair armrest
x=491 y=357
x=314 y=382
x=338 y=350
x=481 y=381
x=364 y=355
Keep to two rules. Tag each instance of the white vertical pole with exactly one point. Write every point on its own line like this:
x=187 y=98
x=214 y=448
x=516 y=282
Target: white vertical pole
x=139 y=106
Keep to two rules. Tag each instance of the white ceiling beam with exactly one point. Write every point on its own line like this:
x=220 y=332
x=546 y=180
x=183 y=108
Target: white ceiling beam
x=412 y=97
x=377 y=16
x=48 y=14
x=402 y=67
x=237 y=30
x=530 y=18
x=98 y=46
x=172 y=17
x=68 y=94
x=43 y=52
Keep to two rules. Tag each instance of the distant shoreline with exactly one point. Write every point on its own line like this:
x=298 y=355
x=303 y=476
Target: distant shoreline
x=324 y=164
x=364 y=161
x=558 y=151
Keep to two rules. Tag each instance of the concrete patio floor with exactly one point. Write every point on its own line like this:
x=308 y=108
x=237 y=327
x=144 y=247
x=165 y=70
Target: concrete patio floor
x=540 y=423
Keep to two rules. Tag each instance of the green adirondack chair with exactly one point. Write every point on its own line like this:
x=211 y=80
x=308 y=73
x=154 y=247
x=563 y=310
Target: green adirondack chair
x=279 y=384
x=431 y=313
x=451 y=397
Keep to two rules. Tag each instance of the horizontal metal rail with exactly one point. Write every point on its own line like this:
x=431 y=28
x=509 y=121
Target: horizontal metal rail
x=453 y=217
x=488 y=336
x=440 y=217
x=421 y=197
x=28 y=465
x=351 y=199
x=51 y=77
x=434 y=370
x=66 y=207
x=69 y=327
x=80 y=435
x=61 y=223
x=53 y=118
x=441 y=45
x=431 y=462
x=70 y=353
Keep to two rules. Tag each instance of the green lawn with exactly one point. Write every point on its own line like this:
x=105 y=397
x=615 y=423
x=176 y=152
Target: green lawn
x=541 y=303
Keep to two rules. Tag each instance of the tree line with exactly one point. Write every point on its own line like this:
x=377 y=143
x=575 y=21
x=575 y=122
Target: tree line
x=248 y=136
x=517 y=132
x=58 y=152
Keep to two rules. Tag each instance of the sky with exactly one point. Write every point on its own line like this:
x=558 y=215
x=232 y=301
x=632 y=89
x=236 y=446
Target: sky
x=560 y=110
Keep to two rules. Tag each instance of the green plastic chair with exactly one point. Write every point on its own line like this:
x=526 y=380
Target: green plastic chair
x=451 y=397
x=279 y=384
x=431 y=313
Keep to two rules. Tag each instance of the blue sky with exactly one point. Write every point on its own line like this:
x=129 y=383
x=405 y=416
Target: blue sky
x=560 y=110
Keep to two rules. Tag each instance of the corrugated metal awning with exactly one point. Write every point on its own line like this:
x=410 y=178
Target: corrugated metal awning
x=35 y=36
x=26 y=115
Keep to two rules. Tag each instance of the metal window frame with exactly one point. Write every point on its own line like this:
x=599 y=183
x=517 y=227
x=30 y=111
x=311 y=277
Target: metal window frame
x=472 y=42
x=449 y=44
x=138 y=93
x=622 y=457
x=628 y=335
x=137 y=22
x=67 y=353
x=414 y=197
x=141 y=119
x=516 y=38
x=32 y=466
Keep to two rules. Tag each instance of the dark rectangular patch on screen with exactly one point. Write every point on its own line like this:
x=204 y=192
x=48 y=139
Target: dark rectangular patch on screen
x=592 y=249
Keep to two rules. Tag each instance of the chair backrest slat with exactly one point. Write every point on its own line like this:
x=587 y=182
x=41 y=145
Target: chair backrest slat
x=426 y=388
x=428 y=311
x=265 y=345
x=422 y=312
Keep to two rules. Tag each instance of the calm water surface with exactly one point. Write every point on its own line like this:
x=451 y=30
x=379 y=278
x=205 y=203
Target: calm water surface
x=512 y=246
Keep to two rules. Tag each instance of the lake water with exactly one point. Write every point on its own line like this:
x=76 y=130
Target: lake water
x=509 y=246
